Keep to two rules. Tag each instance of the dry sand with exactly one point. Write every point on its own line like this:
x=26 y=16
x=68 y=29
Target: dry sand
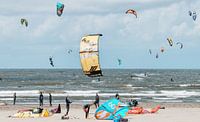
x=174 y=112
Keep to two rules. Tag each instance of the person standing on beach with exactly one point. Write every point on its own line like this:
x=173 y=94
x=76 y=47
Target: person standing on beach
x=86 y=109
x=117 y=96
x=50 y=99
x=96 y=102
x=14 y=98
x=68 y=102
x=41 y=99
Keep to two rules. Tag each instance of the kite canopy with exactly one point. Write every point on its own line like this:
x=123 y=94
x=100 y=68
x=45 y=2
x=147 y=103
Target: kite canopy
x=89 y=55
x=194 y=16
x=131 y=11
x=24 y=22
x=181 y=44
x=69 y=51
x=170 y=41
x=162 y=49
x=60 y=8
x=157 y=55
x=110 y=110
x=150 y=52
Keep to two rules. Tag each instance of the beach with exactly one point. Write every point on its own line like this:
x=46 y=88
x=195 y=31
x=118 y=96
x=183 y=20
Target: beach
x=173 y=112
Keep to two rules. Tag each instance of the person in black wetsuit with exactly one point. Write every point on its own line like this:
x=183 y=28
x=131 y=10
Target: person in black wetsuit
x=86 y=109
x=50 y=99
x=68 y=102
x=96 y=102
x=117 y=96
x=14 y=98
x=41 y=99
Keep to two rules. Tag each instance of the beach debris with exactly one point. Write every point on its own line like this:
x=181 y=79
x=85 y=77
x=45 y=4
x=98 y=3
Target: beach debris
x=24 y=22
x=65 y=117
x=181 y=44
x=51 y=61
x=60 y=8
x=131 y=11
x=170 y=41
x=89 y=55
x=111 y=110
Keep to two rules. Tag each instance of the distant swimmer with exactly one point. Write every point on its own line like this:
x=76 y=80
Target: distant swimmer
x=172 y=80
x=1 y=79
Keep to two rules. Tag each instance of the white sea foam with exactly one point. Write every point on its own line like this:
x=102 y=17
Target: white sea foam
x=163 y=98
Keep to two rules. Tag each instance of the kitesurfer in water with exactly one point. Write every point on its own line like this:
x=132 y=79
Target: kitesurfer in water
x=51 y=61
x=96 y=102
x=172 y=80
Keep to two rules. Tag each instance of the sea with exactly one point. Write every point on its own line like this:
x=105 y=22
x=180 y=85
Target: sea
x=143 y=85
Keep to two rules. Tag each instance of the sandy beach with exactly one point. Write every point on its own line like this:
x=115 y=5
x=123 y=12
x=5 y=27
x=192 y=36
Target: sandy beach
x=174 y=112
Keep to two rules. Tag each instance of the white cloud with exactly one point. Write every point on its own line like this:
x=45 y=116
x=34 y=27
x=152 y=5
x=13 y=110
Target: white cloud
x=48 y=33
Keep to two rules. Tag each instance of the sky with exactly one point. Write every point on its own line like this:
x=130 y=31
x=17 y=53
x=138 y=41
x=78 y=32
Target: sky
x=124 y=36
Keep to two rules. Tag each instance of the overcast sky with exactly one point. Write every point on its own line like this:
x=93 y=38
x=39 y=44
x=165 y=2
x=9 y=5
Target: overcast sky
x=124 y=36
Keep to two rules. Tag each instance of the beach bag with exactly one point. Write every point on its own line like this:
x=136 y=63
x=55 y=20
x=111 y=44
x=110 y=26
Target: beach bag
x=123 y=120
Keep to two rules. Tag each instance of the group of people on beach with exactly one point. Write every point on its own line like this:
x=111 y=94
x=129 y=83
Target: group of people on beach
x=86 y=107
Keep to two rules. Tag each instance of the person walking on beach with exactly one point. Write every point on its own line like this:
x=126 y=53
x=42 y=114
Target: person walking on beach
x=96 y=102
x=41 y=99
x=68 y=102
x=50 y=99
x=14 y=98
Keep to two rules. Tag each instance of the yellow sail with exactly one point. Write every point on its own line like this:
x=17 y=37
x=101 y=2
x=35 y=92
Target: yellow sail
x=89 y=55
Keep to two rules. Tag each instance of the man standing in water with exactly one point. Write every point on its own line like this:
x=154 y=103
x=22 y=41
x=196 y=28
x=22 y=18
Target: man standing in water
x=41 y=99
x=68 y=102
x=14 y=98
x=96 y=102
x=50 y=99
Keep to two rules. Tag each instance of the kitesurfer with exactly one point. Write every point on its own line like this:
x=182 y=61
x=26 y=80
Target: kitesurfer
x=96 y=102
x=172 y=80
x=14 y=98
x=68 y=102
x=41 y=99
x=51 y=61
x=86 y=109
x=50 y=99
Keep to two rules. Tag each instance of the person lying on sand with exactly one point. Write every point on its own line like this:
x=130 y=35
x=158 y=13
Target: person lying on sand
x=141 y=110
